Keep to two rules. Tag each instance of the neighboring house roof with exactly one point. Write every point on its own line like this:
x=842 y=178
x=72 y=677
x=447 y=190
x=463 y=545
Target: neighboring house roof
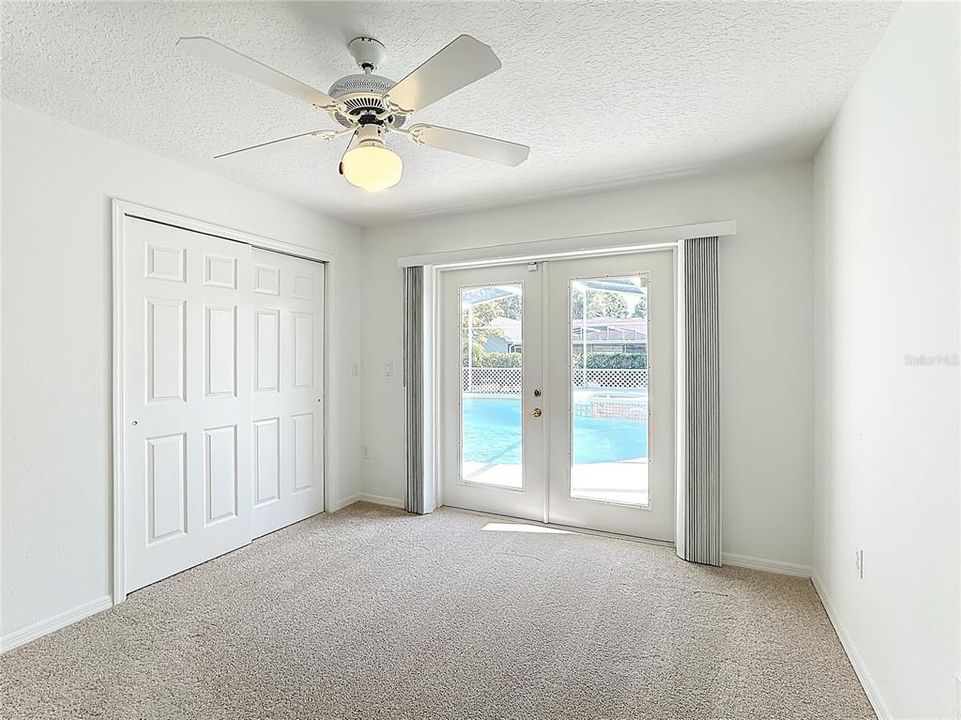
x=599 y=330
x=509 y=328
x=611 y=330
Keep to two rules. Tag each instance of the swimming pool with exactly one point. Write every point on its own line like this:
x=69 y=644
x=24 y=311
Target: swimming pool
x=492 y=434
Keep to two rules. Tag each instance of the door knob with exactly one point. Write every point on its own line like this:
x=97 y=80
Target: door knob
x=536 y=412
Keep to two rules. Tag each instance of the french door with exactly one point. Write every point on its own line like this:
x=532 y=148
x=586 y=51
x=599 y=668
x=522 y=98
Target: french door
x=223 y=388
x=557 y=392
x=491 y=368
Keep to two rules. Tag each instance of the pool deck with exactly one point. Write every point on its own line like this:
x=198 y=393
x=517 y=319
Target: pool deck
x=622 y=482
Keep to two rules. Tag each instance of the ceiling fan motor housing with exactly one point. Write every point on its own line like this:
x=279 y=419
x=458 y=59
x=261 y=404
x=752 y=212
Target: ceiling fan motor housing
x=363 y=94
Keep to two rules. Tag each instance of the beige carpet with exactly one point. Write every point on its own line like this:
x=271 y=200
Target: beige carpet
x=373 y=613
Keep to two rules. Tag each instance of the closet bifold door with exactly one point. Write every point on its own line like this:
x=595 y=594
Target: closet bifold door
x=187 y=399
x=288 y=390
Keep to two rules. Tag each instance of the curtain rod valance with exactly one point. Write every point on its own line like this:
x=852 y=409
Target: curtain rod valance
x=602 y=243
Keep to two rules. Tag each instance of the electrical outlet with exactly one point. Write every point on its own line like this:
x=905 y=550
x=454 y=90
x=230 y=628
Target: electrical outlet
x=388 y=369
x=364 y=452
x=859 y=563
x=355 y=369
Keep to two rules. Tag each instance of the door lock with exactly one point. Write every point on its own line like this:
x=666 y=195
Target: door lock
x=537 y=392
x=536 y=412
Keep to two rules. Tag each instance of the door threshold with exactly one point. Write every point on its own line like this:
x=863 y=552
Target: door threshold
x=567 y=528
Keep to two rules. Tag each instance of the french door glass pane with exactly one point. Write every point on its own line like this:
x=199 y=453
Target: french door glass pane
x=609 y=384
x=491 y=352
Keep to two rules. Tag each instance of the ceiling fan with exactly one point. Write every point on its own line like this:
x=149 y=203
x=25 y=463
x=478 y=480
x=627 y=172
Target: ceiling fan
x=370 y=106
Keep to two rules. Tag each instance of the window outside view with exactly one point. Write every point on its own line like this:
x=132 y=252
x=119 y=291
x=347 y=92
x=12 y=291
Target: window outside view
x=491 y=354
x=609 y=382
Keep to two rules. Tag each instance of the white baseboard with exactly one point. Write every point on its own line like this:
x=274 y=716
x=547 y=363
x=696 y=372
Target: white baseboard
x=867 y=682
x=343 y=502
x=773 y=566
x=60 y=620
x=367 y=497
x=381 y=500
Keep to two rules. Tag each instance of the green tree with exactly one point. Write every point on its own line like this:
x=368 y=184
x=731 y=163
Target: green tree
x=600 y=303
x=481 y=317
x=509 y=306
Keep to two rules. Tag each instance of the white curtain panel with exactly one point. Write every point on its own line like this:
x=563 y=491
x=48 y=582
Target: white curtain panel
x=699 y=491
x=414 y=385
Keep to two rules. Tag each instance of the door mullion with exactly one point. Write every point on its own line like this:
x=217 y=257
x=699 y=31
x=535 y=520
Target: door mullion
x=547 y=398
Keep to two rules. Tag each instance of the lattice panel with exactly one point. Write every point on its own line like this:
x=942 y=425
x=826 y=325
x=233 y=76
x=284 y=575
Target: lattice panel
x=595 y=378
x=507 y=381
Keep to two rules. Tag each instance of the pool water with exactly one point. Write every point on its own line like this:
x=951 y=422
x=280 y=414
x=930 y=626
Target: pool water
x=492 y=434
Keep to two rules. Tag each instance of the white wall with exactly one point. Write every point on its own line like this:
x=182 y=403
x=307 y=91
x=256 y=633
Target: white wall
x=56 y=487
x=887 y=433
x=766 y=312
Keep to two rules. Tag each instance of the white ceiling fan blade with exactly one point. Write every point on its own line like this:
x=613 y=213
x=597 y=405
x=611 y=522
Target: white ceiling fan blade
x=213 y=51
x=323 y=134
x=464 y=61
x=465 y=143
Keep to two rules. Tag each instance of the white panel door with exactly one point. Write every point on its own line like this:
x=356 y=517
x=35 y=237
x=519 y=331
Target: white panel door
x=491 y=373
x=287 y=424
x=187 y=435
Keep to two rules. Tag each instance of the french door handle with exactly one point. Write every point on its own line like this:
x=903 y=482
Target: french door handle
x=536 y=412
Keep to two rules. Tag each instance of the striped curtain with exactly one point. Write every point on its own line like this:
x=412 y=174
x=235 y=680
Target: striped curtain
x=414 y=385
x=699 y=491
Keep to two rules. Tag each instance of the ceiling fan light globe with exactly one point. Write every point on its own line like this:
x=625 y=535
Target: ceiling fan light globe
x=373 y=167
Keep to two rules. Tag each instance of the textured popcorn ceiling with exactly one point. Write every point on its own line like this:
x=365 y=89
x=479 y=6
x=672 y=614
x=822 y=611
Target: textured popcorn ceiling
x=604 y=93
